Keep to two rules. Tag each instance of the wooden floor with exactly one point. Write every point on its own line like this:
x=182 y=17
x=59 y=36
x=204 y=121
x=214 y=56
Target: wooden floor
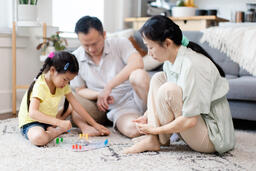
x=7 y=116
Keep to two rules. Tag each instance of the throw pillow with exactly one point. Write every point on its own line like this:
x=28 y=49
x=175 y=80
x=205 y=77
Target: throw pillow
x=138 y=44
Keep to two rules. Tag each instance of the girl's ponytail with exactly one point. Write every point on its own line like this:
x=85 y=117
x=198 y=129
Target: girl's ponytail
x=33 y=83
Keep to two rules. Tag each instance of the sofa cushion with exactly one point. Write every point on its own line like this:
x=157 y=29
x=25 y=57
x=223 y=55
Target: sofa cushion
x=137 y=46
x=243 y=72
x=139 y=40
x=231 y=76
x=242 y=88
x=229 y=67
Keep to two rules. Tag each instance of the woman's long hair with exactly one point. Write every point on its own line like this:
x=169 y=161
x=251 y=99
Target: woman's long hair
x=59 y=61
x=159 y=28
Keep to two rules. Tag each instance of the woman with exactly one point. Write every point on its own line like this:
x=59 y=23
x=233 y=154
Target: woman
x=188 y=98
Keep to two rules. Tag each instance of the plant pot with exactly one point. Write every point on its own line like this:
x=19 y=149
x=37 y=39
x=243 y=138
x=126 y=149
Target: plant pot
x=27 y=12
x=183 y=11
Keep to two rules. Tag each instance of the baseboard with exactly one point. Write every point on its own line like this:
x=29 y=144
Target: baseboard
x=6 y=100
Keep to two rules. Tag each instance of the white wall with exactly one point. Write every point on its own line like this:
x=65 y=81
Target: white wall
x=45 y=11
x=224 y=7
x=27 y=65
x=115 y=11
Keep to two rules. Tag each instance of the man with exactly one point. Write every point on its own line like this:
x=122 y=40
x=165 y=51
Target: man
x=111 y=82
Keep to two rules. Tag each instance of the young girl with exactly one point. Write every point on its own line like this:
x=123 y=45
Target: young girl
x=188 y=98
x=39 y=120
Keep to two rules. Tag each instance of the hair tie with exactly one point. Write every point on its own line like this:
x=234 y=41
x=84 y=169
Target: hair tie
x=51 y=55
x=184 y=41
x=66 y=66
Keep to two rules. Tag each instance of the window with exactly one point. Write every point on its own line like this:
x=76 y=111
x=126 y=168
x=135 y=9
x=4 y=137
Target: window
x=65 y=13
x=6 y=17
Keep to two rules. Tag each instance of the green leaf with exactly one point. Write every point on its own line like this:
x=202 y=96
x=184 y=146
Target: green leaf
x=32 y=2
x=54 y=40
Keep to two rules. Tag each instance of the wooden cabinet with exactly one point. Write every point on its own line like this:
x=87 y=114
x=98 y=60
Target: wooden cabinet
x=193 y=23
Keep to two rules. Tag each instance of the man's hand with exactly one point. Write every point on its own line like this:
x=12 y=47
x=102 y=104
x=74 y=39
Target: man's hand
x=104 y=99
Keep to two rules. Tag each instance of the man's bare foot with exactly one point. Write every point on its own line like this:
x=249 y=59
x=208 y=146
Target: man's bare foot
x=91 y=131
x=149 y=143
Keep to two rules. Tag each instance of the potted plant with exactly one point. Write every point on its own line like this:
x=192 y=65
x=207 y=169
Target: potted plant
x=51 y=44
x=27 y=10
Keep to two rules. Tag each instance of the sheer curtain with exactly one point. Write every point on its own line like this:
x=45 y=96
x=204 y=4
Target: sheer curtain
x=66 y=13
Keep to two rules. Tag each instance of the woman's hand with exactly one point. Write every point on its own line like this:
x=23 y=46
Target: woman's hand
x=141 y=120
x=65 y=125
x=103 y=130
x=146 y=129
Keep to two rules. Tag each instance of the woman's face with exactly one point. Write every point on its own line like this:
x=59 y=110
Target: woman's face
x=157 y=51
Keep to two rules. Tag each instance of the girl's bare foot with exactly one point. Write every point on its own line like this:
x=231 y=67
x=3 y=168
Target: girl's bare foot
x=149 y=143
x=54 y=132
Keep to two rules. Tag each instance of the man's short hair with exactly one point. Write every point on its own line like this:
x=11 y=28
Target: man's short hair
x=85 y=23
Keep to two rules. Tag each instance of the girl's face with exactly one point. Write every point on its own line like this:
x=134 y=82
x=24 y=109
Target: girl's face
x=60 y=80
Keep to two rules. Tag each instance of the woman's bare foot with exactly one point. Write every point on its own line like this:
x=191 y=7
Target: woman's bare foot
x=149 y=143
x=138 y=139
x=91 y=131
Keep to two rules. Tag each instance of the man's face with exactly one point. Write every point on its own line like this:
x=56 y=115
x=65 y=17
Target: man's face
x=93 y=42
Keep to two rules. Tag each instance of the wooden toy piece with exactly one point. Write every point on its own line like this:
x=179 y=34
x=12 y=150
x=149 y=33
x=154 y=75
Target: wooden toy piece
x=57 y=140
x=73 y=146
x=76 y=146
x=80 y=136
x=61 y=139
x=80 y=147
x=86 y=137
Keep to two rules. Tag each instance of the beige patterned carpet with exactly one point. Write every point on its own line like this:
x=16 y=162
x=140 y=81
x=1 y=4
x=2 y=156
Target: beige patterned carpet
x=18 y=154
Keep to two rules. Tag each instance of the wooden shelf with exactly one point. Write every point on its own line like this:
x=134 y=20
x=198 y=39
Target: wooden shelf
x=192 y=23
x=14 y=60
x=208 y=17
x=28 y=24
